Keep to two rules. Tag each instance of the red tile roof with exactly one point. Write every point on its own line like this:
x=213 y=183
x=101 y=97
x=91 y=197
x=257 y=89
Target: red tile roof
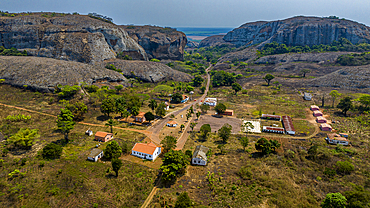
x=145 y=148
x=141 y=114
x=172 y=122
x=102 y=134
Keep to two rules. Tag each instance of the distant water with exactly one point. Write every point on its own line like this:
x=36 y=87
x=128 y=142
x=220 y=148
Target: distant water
x=197 y=34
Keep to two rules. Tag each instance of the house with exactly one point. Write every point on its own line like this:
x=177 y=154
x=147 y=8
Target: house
x=172 y=124
x=307 y=96
x=288 y=125
x=271 y=117
x=103 y=136
x=271 y=129
x=317 y=113
x=210 y=101
x=146 y=151
x=167 y=106
x=228 y=112
x=89 y=132
x=185 y=99
x=95 y=154
x=325 y=127
x=140 y=117
x=345 y=135
x=321 y=119
x=200 y=155
x=314 y=108
x=336 y=139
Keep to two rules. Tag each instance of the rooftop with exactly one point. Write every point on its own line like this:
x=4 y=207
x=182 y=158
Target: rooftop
x=321 y=118
x=325 y=125
x=288 y=123
x=95 y=152
x=315 y=106
x=141 y=114
x=270 y=116
x=201 y=152
x=172 y=122
x=273 y=128
x=336 y=137
x=145 y=148
x=102 y=134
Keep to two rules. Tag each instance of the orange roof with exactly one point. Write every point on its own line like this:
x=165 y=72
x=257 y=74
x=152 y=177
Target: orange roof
x=228 y=110
x=101 y=134
x=145 y=148
x=172 y=122
x=184 y=97
x=336 y=137
x=141 y=114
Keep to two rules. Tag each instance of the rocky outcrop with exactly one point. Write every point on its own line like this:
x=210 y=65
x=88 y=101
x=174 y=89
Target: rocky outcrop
x=214 y=40
x=43 y=74
x=148 y=71
x=159 y=42
x=300 y=57
x=192 y=44
x=299 y=31
x=67 y=37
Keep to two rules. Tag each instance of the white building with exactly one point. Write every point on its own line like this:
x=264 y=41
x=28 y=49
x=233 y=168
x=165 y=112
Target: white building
x=200 y=155
x=146 y=151
x=95 y=154
x=307 y=96
x=336 y=139
x=211 y=101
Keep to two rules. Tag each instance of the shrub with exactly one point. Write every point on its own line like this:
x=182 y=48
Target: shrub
x=155 y=60
x=183 y=201
x=113 y=150
x=188 y=153
x=18 y=118
x=51 y=151
x=24 y=138
x=345 y=167
x=329 y=172
x=68 y=91
x=92 y=88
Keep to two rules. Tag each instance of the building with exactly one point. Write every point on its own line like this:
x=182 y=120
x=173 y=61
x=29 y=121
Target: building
x=167 y=106
x=271 y=117
x=307 y=96
x=172 y=124
x=210 y=101
x=314 y=108
x=185 y=99
x=288 y=125
x=317 y=113
x=103 y=136
x=325 y=127
x=95 y=154
x=271 y=129
x=228 y=112
x=200 y=155
x=336 y=139
x=140 y=117
x=321 y=119
x=89 y=132
x=345 y=135
x=146 y=151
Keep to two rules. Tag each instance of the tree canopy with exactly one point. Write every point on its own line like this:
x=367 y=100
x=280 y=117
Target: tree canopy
x=112 y=150
x=268 y=78
x=24 y=138
x=169 y=142
x=108 y=106
x=345 y=105
x=224 y=132
x=65 y=122
x=236 y=87
x=220 y=108
x=177 y=97
x=334 y=200
x=51 y=151
x=174 y=164
x=267 y=146
x=205 y=129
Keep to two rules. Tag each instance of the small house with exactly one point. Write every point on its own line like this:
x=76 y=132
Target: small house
x=345 y=135
x=210 y=101
x=140 y=117
x=314 y=108
x=271 y=117
x=321 y=119
x=146 y=151
x=325 y=127
x=336 y=139
x=185 y=98
x=271 y=129
x=167 y=106
x=200 y=155
x=317 y=113
x=307 y=96
x=172 y=124
x=103 y=136
x=228 y=112
x=288 y=125
x=95 y=154
x=89 y=132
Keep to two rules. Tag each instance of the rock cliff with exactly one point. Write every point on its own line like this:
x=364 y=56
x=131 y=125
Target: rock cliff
x=214 y=40
x=299 y=31
x=300 y=57
x=159 y=42
x=67 y=37
x=43 y=74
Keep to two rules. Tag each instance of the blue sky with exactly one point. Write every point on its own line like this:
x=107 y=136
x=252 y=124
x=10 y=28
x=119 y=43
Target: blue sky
x=198 y=13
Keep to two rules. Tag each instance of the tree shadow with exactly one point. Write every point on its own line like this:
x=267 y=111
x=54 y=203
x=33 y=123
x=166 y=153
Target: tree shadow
x=102 y=118
x=257 y=155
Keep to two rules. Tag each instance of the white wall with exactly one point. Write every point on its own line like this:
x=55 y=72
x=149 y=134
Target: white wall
x=198 y=161
x=148 y=156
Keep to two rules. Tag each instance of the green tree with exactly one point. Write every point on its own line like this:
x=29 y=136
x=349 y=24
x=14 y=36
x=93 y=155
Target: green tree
x=183 y=201
x=24 y=138
x=125 y=114
x=202 y=89
x=110 y=123
x=169 y=143
x=67 y=91
x=177 y=97
x=118 y=88
x=160 y=111
x=268 y=78
x=274 y=145
x=153 y=104
x=345 y=105
x=365 y=100
x=116 y=165
x=220 y=108
x=236 y=87
x=345 y=167
x=205 y=129
x=108 y=106
x=244 y=141
x=174 y=164
x=188 y=115
x=112 y=150
x=312 y=152
x=78 y=109
x=51 y=151
x=304 y=72
x=334 y=200
x=121 y=105
x=264 y=146
x=204 y=108
x=192 y=125
x=221 y=147
x=149 y=116
x=197 y=81
x=126 y=148
x=65 y=122
x=182 y=127
x=198 y=114
x=335 y=94
x=224 y=132
x=135 y=110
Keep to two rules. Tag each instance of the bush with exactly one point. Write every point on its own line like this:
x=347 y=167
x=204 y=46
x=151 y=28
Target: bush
x=24 y=138
x=92 y=88
x=183 y=201
x=18 y=118
x=189 y=153
x=155 y=60
x=112 y=151
x=345 y=167
x=329 y=172
x=51 y=151
x=68 y=91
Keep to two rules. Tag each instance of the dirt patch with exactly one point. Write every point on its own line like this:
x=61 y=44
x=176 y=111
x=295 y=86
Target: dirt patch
x=217 y=122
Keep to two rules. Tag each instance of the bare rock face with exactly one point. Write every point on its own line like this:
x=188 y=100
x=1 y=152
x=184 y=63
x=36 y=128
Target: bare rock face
x=43 y=74
x=299 y=31
x=159 y=42
x=214 y=40
x=148 y=71
x=192 y=44
x=67 y=37
x=300 y=57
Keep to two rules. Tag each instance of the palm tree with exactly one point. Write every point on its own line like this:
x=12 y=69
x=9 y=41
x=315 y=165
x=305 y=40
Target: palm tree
x=153 y=104
x=110 y=123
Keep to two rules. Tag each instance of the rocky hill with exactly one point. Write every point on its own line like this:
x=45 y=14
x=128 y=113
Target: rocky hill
x=299 y=31
x=159 y=42
x=147 y=71
x=67 y=37
x=213 y=40
x=300 y=57
x=43 y=74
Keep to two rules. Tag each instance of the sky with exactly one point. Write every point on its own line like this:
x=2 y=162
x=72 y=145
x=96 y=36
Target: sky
x=197 y=13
